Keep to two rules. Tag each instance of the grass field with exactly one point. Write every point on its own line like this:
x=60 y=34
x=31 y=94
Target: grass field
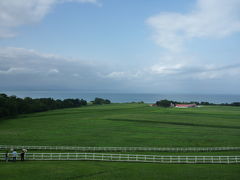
x=123 y=125
x=114 y=170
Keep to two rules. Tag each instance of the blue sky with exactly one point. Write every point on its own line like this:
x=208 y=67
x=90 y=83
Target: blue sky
x=187 y=46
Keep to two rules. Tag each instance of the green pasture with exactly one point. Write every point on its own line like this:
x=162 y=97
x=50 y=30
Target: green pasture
x=85 y=170
x=126 y=125
x=123 y=125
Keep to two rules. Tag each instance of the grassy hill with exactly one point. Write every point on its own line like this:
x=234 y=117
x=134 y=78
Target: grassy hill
x=123 y=125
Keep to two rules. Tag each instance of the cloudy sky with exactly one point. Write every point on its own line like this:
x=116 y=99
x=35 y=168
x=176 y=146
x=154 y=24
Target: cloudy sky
x=159 y=46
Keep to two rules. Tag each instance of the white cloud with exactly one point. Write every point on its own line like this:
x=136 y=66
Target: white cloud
x=83 y=1
x=116 y=75
x=53 y=71
x=209 y=19
x=24 y=68
x=125 y=75
x=35 y=69
x=218 y=72
x=15 y=70
x=178 y=67
x=12 y=59
x=166 y=69
x=196 y=71
x=14 y=13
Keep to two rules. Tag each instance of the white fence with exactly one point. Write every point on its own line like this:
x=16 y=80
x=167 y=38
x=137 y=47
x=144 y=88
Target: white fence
x=132 y=158
x=123 y=149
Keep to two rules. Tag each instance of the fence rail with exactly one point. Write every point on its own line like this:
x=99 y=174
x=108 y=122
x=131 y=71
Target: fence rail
x=123 y=149
x=131 y=158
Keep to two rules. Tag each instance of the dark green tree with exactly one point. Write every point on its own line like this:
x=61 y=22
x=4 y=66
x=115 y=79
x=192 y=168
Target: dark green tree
x=164 y=103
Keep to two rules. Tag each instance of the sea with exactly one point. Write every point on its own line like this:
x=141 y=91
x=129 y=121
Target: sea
x=128 y=97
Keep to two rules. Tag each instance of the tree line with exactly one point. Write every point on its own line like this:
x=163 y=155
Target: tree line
x=12 y=105
x=168 y=103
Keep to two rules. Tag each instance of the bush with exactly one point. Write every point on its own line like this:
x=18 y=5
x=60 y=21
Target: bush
x=100 y=101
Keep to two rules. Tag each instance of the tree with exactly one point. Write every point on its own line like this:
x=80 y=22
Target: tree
x=164 y=103
x=101 y=101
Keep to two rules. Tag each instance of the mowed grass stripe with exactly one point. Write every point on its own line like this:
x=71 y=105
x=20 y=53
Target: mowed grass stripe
x=176 y=123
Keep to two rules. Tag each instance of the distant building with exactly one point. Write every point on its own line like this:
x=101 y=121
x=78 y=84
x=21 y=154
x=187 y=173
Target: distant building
x=172 y=105
x=185 y=105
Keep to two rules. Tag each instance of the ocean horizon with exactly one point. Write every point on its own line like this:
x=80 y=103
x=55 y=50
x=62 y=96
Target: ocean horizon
x=128 y=97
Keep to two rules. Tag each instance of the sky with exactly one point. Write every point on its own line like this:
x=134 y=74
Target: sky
x=135 y=46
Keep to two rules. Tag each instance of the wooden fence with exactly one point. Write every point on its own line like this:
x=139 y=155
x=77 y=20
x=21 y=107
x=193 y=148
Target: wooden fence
x=130 y=158
x=123 y=149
